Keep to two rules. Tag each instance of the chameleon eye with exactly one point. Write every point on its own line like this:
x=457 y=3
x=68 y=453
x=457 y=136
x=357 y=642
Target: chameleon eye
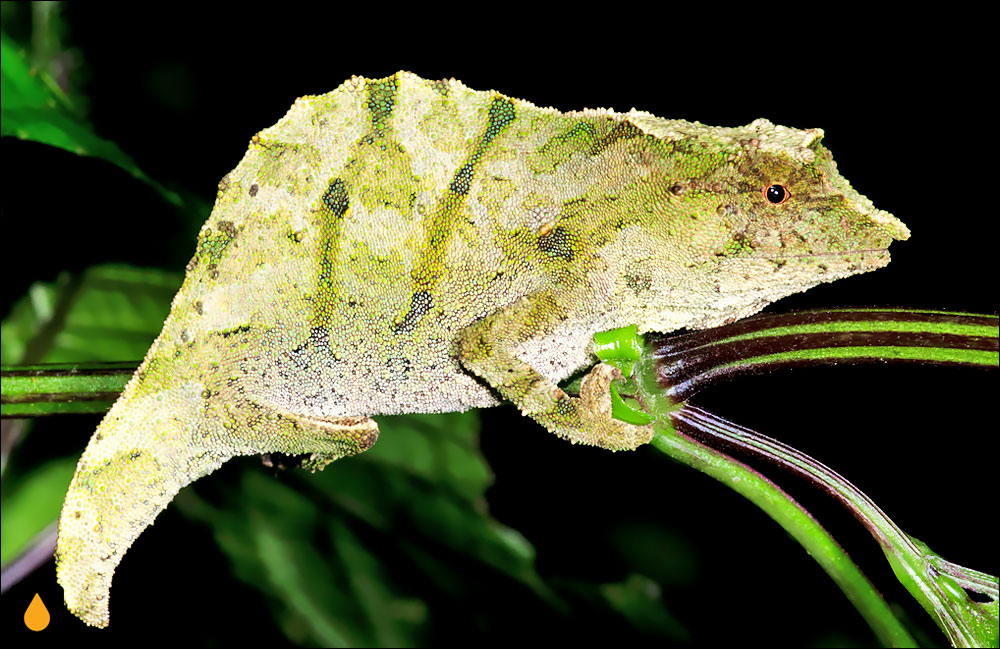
x=776 y=194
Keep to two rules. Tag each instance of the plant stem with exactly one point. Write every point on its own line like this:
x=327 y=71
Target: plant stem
x=664 y=372
x=40 y=390
x=796 y=521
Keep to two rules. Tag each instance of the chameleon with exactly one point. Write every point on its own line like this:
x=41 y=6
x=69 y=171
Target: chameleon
x=403 y=245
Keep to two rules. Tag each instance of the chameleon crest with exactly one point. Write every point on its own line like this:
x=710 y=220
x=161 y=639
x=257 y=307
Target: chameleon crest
x=404 y=245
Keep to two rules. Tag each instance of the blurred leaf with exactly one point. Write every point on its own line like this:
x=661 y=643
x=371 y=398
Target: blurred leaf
x=658 y=553
x=441 y=448
x=638 y=600
x=440 y=499
x=387 y=524
x=33 y=108
x=395 y=621
x=106 y=313
x=56 y=65
x=324 y=586
x=33 y=505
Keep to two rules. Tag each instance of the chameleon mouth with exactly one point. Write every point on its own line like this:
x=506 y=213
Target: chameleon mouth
x=863 y=252
x=823 y=266
x=868 y=258
x=855 y=260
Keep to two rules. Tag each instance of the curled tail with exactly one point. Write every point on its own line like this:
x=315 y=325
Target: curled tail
x=150 y=445
x=141 y=455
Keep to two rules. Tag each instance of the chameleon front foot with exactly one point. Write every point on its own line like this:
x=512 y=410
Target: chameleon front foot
x=485 y=350
x=595 y=407
x=587 y=419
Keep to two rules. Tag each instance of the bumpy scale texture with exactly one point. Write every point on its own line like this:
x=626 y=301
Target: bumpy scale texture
x=403 y=245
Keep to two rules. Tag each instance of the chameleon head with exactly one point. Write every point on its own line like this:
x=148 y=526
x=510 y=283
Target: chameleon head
x=764 y=213
x=795 y=208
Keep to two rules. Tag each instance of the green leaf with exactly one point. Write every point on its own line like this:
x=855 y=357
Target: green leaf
x=442 y=499
x=348 y=555
x=443 y=449
x=33 y=504
x=639 y=600
x=324 y=585
x=106 y=313
x=31 y=110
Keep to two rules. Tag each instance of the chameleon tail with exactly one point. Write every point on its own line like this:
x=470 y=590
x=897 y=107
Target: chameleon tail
x=143 y=452
x=162 y=434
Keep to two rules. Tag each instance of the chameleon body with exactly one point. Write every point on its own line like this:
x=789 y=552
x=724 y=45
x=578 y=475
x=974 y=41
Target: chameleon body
x=404 y=245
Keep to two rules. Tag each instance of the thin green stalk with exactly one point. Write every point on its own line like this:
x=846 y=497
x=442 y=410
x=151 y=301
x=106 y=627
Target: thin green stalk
x=941 y=587
x=57 y=389
x=666 y=371
x=796 y=521
x=690 y=362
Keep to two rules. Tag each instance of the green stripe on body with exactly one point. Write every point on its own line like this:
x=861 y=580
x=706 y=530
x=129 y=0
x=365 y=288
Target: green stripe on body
x=442 y=223
x=381 y=101
x=335 y=202
x=333 y=206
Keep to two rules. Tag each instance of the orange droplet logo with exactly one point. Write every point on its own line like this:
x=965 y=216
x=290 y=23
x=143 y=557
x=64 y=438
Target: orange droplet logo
x=36 y=617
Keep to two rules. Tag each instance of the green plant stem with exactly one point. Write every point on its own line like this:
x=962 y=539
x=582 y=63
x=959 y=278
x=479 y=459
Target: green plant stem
x=795 y=520
x=56 y=389
x=938 y=585
x=669 y=370
x=690 y=362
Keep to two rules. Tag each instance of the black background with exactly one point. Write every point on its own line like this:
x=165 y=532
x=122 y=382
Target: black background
x=906 y=115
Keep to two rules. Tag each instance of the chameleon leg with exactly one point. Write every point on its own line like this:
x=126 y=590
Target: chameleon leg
x=323 y=439
x=485 y=350
x=146 y=449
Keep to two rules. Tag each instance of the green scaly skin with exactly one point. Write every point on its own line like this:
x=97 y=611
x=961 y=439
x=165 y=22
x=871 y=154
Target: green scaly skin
x=403 y=245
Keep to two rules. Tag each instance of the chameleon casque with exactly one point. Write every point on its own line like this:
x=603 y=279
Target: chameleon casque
x=404 y=245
